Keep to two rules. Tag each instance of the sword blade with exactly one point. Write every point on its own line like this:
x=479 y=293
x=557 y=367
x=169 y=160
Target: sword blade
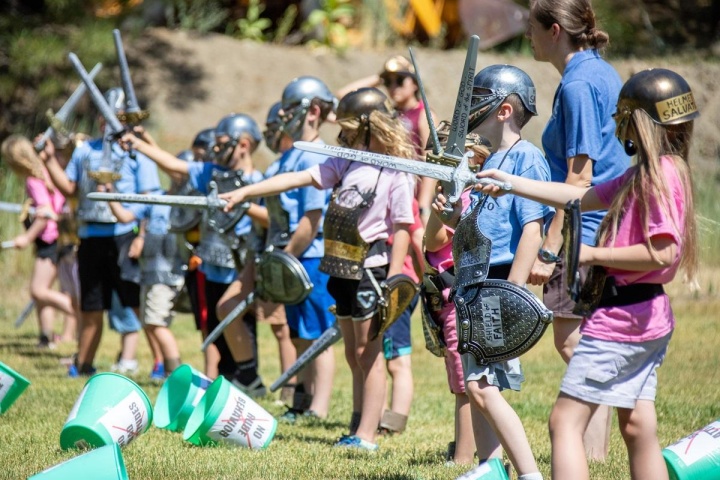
x=329 y=337
x=24 y=313
x=7 y=244
x=439 y=172
x=105 y=110
x=234 y=314
x=428 y=114
x=128 y=88
x=458 y=129
x=175 y=200
x=11 y=207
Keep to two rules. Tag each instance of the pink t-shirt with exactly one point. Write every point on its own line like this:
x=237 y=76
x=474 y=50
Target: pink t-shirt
x=651 y=319
x=392 y=203
x=41 y=196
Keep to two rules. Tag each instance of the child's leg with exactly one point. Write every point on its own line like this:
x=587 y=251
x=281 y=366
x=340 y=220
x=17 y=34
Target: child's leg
x=397 y=347
x=568 y=421
x=348 y=333
x=464 y=439
x=639 y=430
x=372 y=364
x=505 y=423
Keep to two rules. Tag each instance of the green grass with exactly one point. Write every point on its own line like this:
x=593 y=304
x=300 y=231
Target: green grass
x=29 y=432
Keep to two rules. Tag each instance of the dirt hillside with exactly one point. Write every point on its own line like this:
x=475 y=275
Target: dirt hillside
x=192 y=81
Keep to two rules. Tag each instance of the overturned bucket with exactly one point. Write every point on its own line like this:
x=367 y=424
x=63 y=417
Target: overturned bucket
x=225 y=414
x=110 y=409
x=695 y=457
x=178 y=396
x=104 y=463
x=12 y=385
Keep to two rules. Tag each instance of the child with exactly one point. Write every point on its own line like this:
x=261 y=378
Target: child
x=503 y=102
x=647 y=235
x=440 y=310
x=20 y=156
x=366 y=201
x=236 y=137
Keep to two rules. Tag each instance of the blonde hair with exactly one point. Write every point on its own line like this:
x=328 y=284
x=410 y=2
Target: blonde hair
x=654 y=141
x=576 y=17
x=19 y=154
x=388 y=130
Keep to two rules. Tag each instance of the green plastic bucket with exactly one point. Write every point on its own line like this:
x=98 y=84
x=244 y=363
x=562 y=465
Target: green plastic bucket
x=110 y=409
x=178 y=396
x=493 y=469
x=104 y=463
x=12 y=385
x=225 y=414
x=696 y=456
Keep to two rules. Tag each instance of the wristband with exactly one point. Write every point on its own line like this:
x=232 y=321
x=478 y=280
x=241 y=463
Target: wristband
x=547 y=256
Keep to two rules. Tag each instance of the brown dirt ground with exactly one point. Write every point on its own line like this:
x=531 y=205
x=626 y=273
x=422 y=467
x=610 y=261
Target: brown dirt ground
x=192 y=81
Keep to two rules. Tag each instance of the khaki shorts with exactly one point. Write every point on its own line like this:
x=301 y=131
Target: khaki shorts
x=555 y=292
x=157 y=302
x=270 y=313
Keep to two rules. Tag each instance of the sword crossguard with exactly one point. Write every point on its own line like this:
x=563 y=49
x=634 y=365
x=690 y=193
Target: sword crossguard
x=133 y=118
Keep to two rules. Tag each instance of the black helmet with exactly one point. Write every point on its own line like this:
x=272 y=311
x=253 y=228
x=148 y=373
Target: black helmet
x=663 y=94
x=500 y=81
x=359 y=104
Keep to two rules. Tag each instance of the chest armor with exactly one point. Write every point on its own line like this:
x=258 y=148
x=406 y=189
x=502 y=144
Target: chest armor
x=89 y=210
x=216 y=248
x=225 y=182
x=161 y=262
x=471 y=251
x=345 y=249
x=278 y=234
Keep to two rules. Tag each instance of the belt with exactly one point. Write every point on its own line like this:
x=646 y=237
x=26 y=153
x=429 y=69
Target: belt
x=618 y=296
x=446 y=278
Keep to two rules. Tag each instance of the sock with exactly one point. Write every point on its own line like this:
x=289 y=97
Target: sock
x=246 y=372
x=531 y=476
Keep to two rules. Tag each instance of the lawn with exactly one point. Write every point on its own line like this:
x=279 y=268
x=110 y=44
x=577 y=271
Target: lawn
x=29 y=432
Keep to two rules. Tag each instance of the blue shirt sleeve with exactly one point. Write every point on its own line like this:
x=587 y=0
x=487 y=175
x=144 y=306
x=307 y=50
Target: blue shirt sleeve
x=534 y=166
x=583 y=125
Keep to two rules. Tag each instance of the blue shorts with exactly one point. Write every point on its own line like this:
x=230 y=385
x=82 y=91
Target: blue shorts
x=310 y=318
x=122 y=319
x=617 y=374
x=396 y=339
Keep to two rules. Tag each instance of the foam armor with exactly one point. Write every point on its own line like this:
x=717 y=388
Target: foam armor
x=160 y=260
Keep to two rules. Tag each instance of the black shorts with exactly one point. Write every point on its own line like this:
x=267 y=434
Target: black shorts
x=356 y=298
x=46 y=250
x=99 y=272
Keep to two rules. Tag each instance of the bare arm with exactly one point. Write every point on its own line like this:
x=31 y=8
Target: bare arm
x=35 y=229
x=526 y=253
x=165 y=160
x=305 y=233
x=436 y=235
x=373 y=80
x=57 y=173
x=259 y=214
x=272 y=186
x=401 y=242
x=636 y=258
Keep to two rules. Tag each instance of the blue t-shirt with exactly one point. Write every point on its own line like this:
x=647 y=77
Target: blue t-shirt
x=502 y=219
x=138 y=175
x=298 y=201
x=200 y=174
x=157 y=216
x=582 y=124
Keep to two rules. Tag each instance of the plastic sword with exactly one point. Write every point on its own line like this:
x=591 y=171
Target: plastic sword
x=133 y=114
x=57 y=120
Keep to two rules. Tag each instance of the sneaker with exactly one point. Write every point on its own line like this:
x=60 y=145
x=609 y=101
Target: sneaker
x=158 y=371
x=73 y=372
x=125 y=367
x=255 y=390
x=353 y=441
x=44 y=343
x=290 y=416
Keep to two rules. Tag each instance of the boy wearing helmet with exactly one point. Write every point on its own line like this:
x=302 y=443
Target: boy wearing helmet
x=102 y=237
x=368 y=204
x=648 y=234
x=223 y=253
x=503 y=101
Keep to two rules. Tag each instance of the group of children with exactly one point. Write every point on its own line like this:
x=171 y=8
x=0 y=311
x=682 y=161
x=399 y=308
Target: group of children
x=352 y=226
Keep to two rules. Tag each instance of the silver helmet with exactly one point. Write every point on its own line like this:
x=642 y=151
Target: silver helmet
x=115 y=97
x=234 y=126
x=203 y=145
x=494 y=84
x=273 y=127
x=296 y=100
